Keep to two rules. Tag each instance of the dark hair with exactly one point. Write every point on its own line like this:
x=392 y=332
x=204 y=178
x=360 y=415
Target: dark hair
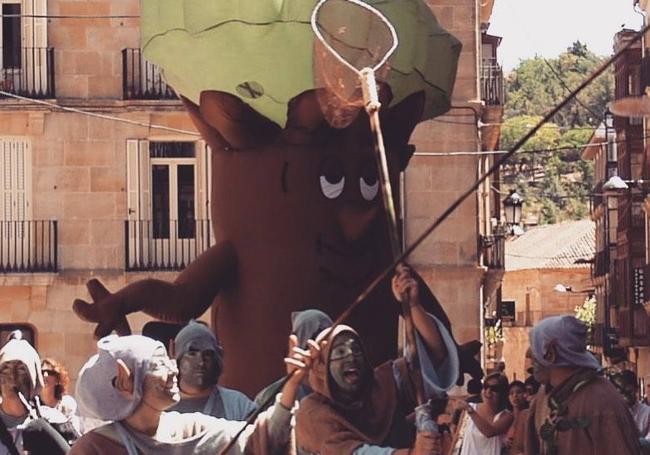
x=513 y=384
x=625 y=378
x=516 y=383
x=502 y=384
x=474 y=386
x=531 y=381
x=62 y=374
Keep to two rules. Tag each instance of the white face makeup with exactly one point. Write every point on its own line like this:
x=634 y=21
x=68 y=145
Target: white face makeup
x=160 y=389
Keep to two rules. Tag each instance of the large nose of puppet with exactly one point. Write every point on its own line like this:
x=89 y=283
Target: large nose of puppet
x=355 y=221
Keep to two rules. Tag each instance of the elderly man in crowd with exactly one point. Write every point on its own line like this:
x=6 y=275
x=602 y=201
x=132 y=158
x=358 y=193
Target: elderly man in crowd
x=20 y=373
x=200 y=362
x=24 y=424
x=132 y=382
x=578 y=412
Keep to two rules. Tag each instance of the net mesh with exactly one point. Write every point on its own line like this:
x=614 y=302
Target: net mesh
x=359 y=36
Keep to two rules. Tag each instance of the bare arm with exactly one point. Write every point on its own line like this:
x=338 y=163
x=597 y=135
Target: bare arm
x=405 y=287
x=187 y=297
x=488 y=428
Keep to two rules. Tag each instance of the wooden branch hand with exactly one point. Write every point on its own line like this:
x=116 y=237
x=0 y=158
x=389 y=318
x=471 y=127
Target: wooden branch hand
x=107 y=310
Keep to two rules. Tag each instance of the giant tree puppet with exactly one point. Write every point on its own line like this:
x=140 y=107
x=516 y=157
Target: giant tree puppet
x=297 y=214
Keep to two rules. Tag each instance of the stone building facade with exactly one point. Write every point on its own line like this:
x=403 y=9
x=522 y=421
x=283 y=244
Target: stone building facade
x=74 y=187
x=536 y=263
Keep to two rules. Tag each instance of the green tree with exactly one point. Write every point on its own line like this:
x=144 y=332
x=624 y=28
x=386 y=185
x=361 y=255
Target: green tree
x=586 y=312
x=538 y=84
x=555 y=184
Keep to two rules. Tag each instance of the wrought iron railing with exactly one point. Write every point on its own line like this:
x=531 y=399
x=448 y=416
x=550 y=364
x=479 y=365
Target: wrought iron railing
x=142 y=80
x=492 y=92
x=29 y=72
x=645 y=73
x=494 y=250
x=28 y=246
x=601 y=263
x=168 y=247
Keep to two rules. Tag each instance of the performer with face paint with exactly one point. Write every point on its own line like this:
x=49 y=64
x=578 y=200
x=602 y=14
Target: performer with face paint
x=200 y=361
x=357 y=410
x=305 y=325
x=132 y=382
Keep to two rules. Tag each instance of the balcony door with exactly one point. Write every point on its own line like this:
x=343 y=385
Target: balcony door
x=24 y=60
x=173 y=209
x=167 y=226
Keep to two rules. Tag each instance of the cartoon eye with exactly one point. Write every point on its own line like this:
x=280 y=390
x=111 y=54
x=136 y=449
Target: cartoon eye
x=368 y=182
x=368 y=190
x=332 y=178
x=331 y=190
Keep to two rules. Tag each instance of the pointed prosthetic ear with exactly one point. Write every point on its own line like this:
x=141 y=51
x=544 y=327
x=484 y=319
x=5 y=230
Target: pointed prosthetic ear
x=123 y=381
x=240 y=125
x=398 y=125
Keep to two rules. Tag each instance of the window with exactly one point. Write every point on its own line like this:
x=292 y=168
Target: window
x=11 y=36
x=162 y=331
x=15 y=170
x=26 y=63
x=168 y=202
x=27 y=330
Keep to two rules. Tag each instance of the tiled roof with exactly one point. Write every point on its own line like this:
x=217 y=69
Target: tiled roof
x=553 y=246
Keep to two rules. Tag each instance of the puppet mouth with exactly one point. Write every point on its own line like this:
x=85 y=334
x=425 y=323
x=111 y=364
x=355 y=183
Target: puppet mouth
x=349 y=266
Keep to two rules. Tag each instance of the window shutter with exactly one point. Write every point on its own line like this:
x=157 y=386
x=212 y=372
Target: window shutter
x=202 y=195
x=145 y=180
x=15 y=166
x=133 y=179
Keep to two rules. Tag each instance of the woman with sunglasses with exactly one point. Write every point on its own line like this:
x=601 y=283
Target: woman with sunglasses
x=53 y=394
x=489 y=421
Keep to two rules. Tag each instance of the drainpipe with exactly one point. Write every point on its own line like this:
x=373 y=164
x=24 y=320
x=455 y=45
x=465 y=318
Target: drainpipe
x=638 y=10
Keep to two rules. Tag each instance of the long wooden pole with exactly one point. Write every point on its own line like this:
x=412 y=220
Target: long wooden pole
x=372 y=105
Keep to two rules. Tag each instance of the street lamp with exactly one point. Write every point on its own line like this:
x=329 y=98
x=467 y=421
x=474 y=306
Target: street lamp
x=616 y=183
x=512 y=206
x=563 y=288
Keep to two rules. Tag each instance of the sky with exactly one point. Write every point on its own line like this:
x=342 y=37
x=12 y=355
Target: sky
x=548 y=27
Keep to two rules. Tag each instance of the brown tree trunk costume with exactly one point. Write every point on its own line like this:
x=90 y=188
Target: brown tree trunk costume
x=282 y=245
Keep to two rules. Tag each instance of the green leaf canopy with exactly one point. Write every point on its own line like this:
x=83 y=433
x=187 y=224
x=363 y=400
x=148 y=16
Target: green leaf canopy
x=262 y=50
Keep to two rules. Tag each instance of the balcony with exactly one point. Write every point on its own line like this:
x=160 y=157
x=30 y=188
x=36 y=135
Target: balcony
x=28 y=72
x=28 y=246
x=633 y=326
x=645 y=73
x=142 y=80
x=494 y=250
x=492 y=92
x=170 y=246
x=601 y=263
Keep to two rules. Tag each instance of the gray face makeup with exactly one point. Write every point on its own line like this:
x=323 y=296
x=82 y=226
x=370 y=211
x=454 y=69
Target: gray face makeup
x=161 y=385
x=348 y=366
x=199 y=369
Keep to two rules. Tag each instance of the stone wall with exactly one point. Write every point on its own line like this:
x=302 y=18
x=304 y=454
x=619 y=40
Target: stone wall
x=535 y=286
x=448 y=259
x=78 y=177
